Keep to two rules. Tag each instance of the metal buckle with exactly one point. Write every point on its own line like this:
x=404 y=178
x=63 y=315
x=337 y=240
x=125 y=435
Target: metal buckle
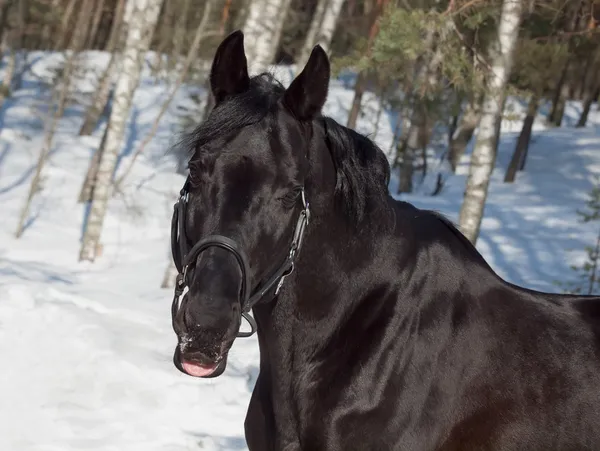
x=280 y=283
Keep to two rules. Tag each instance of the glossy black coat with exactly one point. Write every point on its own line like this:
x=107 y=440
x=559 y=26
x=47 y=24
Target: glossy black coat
x=392 y=333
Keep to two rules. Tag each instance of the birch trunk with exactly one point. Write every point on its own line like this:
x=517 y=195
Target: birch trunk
x=262 y=31
x=484 y=156
x=85 y=194
x=117 y=36
x=64 y=26
x=201 y=32
x=321 y=29
x=142 y=23
x=54 y=117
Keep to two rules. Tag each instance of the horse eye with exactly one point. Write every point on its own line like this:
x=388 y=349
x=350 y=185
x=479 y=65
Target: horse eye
x=289 y=199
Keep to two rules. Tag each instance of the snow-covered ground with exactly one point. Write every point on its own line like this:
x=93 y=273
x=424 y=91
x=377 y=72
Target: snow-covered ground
x=86 y=348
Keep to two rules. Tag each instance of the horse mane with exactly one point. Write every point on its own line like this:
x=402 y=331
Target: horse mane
x=246 y=108
x=361 y=168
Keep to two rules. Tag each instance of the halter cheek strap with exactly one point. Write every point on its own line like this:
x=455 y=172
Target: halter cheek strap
x=183 y=257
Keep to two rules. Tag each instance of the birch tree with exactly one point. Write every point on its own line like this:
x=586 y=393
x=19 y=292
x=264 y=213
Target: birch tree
x=262 y=31
x=142 y=23
x=483 y=157
x=58 y=103
x=116 y=37
x=201 y=33
x=321 y=29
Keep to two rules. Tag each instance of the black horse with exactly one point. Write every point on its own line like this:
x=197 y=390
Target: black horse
x=380 y=326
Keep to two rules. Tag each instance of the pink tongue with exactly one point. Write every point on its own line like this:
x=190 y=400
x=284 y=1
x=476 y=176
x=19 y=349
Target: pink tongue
x=195 y=369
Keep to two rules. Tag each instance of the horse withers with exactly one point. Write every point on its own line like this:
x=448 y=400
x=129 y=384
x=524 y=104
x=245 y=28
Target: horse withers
x=380 y=326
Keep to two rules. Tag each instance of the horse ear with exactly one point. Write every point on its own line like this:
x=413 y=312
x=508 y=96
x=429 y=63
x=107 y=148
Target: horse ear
x=229 y=71
x=307 y=94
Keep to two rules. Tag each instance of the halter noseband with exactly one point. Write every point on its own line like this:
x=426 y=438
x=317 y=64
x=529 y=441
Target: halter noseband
x=183 y=257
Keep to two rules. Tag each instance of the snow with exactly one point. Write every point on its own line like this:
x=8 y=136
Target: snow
x=87 y=348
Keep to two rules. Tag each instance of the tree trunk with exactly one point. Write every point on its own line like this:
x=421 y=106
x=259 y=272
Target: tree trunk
x=517 y=162
x=587 y=103
x=53 y=119
x=262 y=31
x=463 y=134
x=9 y=41
x=359 y=89
x=484 y=155
x=407 y=164
x=561 y=93
x=322 y=28
x=64 y=26
x=116 y=29
x=418 y=133
x=140 y=30
x=180 y=31
x=91 y=39
x=46 y=34
x=102 y=94
x=360 y=85
x=85 y=194
x=201 y=32
x=587 y=70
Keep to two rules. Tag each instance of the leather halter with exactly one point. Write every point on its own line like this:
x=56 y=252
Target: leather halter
x=184 y=257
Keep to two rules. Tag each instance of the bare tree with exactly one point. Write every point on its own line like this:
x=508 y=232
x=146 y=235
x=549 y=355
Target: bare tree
x=60 y=100
x=201 y=33
x=483 y=157
x=262 y=31
x=142 y=23
x=101 y=97
x=117 y=35
x=322 y=28
x=64 y=26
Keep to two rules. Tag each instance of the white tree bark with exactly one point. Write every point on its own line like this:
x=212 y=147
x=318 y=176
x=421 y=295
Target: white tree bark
x=321 y=28
x=262 y=32
x=58 y=103
x=117 y=37
x=142 y=22
x=483 y=157
x=201 y=33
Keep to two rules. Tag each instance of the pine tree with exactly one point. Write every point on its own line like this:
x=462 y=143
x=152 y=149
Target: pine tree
x=588 y=280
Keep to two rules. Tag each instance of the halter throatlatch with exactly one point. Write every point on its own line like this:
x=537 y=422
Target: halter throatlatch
x=184 y=257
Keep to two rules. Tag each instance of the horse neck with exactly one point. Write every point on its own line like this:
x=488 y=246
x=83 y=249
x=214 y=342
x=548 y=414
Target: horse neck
x=334 y=251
